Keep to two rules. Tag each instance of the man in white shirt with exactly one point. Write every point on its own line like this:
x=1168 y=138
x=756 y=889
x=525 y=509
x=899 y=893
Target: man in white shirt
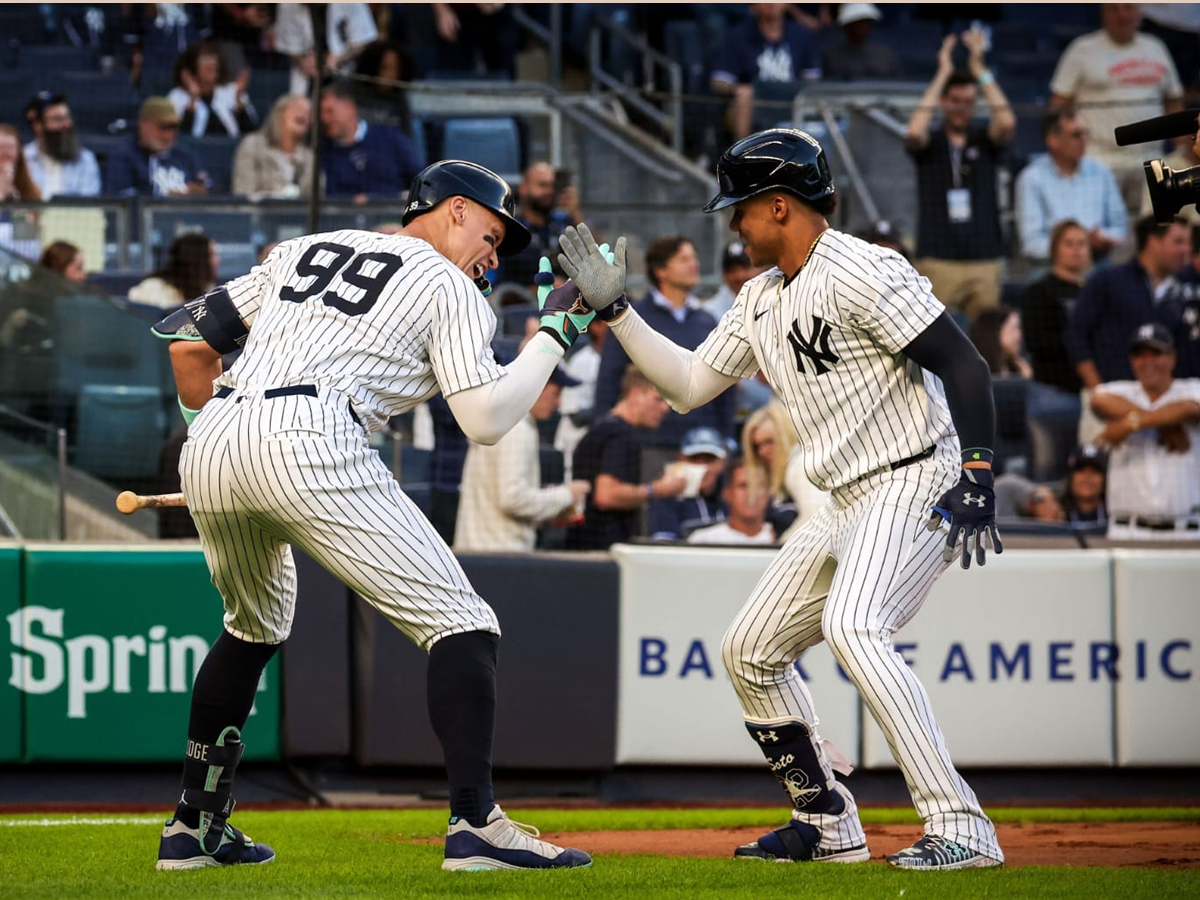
x=57 y=163
x=503 y=500
x=1115 y=76
x=746 y=497
x=1153 y=428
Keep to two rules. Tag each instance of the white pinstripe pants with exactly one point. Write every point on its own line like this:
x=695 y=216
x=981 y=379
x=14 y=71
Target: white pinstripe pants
x=853 y=575
x=261 y=474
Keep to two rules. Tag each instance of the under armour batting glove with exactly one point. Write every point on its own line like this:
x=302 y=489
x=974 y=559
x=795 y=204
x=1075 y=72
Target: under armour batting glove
x=970 y=509
x=600 y=275
x=564 y=317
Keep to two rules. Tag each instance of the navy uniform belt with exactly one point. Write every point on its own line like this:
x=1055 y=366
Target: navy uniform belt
x=291 y=390
x=916 y=457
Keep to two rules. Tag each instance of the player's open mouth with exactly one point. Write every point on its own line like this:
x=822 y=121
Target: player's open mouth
x=478 y=270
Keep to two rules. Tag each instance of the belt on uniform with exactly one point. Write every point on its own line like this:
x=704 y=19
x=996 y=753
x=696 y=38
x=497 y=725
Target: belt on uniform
x=291 y=390
x=916 y=457
x=1158 y=524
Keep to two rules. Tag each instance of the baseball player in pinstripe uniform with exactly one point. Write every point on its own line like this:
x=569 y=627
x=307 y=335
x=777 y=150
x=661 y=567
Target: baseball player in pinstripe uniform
x=881 y=387
x=341 y=331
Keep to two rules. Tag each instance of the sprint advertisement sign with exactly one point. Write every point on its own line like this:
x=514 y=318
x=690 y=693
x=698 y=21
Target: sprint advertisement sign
x=104 y=650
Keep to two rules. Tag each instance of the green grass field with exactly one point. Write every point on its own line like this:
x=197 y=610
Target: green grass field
x=384 y=854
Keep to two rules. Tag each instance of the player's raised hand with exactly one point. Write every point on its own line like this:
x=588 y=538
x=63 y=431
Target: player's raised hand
x=564 y=316
x=599 y=274
x=970 y=509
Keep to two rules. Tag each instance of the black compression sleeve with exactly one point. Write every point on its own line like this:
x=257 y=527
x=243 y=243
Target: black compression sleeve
x=945 y=351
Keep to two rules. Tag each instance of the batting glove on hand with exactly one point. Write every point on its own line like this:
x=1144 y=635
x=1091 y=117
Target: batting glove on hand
x=970 y=508
x=564 y=317
x=599 y=274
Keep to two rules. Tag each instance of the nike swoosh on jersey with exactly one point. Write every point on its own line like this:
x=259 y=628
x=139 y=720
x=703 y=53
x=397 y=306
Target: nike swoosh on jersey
x=759 y=315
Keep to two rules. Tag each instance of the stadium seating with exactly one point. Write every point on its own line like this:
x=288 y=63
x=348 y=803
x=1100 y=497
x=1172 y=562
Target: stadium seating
x=491 y=142
x=97 y=343
x=121 y=429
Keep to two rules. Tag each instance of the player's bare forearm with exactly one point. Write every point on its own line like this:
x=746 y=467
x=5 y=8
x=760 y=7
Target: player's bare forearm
x=196 y=366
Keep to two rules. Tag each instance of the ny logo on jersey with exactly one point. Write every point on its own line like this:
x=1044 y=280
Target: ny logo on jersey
x=808 y=346
x=764 y=736
x=978 y=500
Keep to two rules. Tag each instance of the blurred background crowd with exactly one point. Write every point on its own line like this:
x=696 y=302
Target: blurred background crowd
x=150 y=151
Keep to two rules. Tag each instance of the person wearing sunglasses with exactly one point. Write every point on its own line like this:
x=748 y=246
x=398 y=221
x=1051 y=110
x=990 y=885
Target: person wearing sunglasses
x=152 y=164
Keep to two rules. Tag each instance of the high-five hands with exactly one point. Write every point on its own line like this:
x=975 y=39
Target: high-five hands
x=599 y=274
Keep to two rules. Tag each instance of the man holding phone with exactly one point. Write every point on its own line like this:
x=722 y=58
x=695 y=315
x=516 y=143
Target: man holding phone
x=547 y=202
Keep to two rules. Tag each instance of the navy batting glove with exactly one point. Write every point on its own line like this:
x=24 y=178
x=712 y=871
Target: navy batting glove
x=970 y=509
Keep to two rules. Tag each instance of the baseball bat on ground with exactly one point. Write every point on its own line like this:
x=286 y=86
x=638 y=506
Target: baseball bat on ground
x=129 y=502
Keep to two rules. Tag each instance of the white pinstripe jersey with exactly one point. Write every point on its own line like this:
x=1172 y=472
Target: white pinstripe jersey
x=830 y=343
x=385 y=320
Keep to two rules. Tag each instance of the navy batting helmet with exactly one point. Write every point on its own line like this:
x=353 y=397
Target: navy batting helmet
x=458 y=178
x=782 y=159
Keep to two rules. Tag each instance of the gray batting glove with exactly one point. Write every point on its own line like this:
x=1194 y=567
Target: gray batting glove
x=600 y=281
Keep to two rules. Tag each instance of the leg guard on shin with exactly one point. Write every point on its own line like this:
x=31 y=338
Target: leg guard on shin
x=215 y=800
x=798 y=764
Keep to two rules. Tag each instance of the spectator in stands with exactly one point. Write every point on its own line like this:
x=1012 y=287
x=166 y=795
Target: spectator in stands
x=1116 y=76
x=276 y=161
x=1152 y=430
x=670 y=308
x=157 y=33
x=996 y=334
x=359 y=160
x=857 y=58
x=57 y=163
x=241 y=31
x=208 y=101
x=746 y=504
x=701 y=463
x=609 y=458
x=736 y=270
x=578 y=406
x=885 y=234
x=1052 y=402
x=1065 y=183
x=1177 y=26
x=151 y=164
x=769 y=441
x=503 y=500
x=547 y=202
x=349 y=27
x=770 y=49
x=1117 y=299
x=1018 y=497
x=382 y=101
x=1047 y=305
x=1082 y=498
x=191 y=270
x=959 y=244
x=64 y=259
x=16 y=181
x=475 y=35
x=1179 y=311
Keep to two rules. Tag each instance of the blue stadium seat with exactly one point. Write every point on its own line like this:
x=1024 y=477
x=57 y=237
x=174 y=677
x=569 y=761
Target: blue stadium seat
x=414 y=466
x=95 y=342
x=495 y=143
x=1012 y=435
x=98 y=100
x=216 y=156
x=513 y=318
x=55 y=58
x=116 y=283
x=121 y=430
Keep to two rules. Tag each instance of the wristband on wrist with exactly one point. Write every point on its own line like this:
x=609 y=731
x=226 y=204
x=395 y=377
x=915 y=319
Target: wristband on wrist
x=614 y=310
x=1134 y=420
x=985 y=79
x=189 y=414
x=977 y=457
x=649 y=486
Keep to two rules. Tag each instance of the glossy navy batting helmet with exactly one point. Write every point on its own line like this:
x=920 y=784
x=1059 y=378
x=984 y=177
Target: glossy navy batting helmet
x=458 y=178
x=778 y=159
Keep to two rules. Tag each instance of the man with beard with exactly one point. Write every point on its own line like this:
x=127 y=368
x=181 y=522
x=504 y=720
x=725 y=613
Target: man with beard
x=56 y=161
x=546 y=204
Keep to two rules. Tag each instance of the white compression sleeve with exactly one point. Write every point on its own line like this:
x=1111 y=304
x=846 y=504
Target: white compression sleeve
x=487 y=412
x=683 y=378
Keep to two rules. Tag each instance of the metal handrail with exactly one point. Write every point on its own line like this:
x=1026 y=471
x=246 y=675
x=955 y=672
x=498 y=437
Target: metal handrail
x=60 y=443
x=671 y=121
x=551 y=37
x=857 y=184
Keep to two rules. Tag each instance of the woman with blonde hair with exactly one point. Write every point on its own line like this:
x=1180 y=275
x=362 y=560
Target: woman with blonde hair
x=276 y=161
x=15 y=181
x=769 y=441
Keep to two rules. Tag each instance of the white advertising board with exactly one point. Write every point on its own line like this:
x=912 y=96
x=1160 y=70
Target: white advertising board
x=1014 y=658
x=674 y=700
x=1157 y=601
